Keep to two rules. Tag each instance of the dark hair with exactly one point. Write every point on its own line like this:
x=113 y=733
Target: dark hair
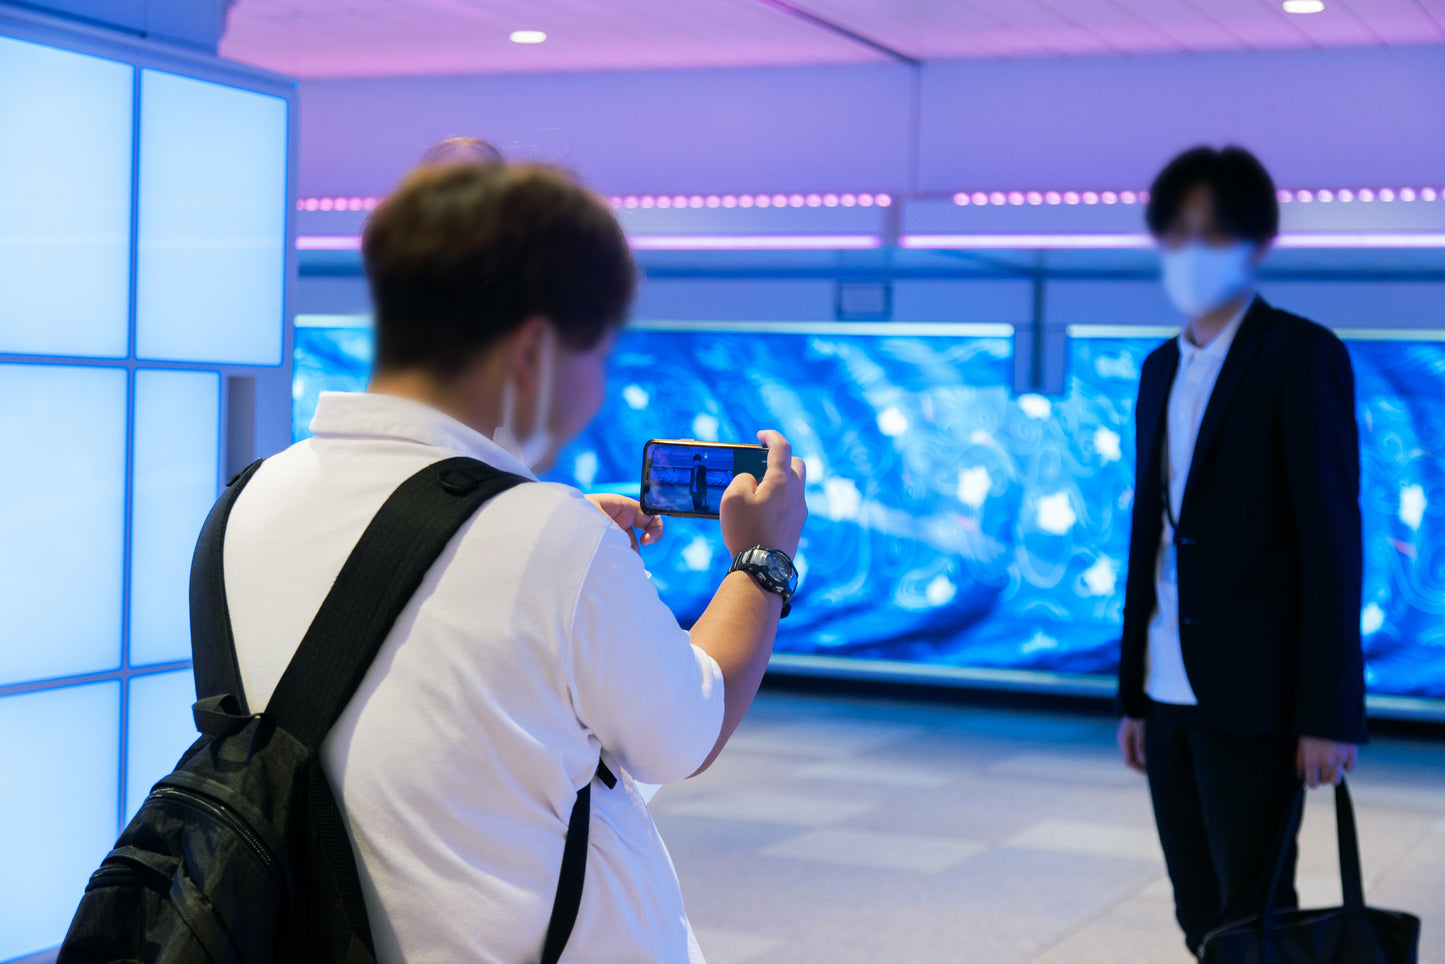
x=696 y=456
x=461 y=255
x=462 y=149
x=1245 y=204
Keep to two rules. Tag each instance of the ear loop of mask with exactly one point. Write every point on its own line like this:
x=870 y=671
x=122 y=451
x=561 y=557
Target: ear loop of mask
x=534 y=449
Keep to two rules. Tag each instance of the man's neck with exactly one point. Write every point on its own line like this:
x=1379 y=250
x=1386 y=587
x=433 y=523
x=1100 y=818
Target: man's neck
x=432 y=392
x=1204 y=329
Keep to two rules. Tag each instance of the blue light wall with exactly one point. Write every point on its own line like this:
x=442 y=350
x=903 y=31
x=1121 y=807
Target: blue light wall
x=115 y=357
x=956 y=526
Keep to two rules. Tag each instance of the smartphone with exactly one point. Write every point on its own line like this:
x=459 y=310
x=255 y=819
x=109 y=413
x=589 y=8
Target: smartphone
x=688 y=478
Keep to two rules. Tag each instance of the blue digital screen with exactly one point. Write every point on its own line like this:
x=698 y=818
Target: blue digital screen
x=62 y=519
x=65 y=182
x=211 y=233
x=176 y=475
x=953 y=523
x=160 y=729
x=59 y=799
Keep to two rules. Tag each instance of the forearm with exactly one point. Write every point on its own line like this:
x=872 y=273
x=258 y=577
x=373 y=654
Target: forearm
x=737 y=630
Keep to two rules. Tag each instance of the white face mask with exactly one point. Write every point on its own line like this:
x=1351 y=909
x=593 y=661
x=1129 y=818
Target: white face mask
x=535 y=447
x=1199 y=278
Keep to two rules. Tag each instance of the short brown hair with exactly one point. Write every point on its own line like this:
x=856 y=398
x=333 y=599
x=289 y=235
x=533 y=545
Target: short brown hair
x=461 y=255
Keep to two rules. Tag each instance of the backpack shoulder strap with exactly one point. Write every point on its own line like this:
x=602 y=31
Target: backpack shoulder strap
x=377 y=581
x=213 y=647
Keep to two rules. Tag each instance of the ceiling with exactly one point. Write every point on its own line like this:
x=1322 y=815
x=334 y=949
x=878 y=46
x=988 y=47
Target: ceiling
x=356 y=38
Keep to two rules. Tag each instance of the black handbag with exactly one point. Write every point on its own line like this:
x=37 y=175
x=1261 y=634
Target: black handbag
x=1352 y=934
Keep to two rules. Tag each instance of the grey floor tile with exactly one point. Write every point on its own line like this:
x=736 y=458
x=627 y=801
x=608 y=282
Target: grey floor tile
x=732 y=947
x=769 y=806
x=867 y=849
x=1097 y=839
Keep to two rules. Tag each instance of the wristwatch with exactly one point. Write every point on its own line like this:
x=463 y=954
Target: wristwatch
x=771 y=569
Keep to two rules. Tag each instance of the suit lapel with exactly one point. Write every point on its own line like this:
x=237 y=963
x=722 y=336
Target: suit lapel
x=1236 y=363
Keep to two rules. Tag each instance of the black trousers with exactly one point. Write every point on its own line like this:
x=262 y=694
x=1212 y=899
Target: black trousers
x=1221 y=803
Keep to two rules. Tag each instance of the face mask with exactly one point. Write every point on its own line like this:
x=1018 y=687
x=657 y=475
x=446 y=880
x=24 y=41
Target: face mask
x=532 y=449
x=1199 y=278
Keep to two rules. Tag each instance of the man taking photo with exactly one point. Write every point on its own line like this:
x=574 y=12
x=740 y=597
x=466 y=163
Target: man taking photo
x=536 y=644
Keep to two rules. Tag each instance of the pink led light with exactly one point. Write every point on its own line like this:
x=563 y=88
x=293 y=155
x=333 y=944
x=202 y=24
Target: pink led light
x=730 y=201
x=938 y=241
x=312 y=204
x=1071 y=197
x=630 y=201
x=830 y=200
x=1053 y=197
x=1284 y=196
x=664 y=202
x=883 y=200
x=1128 y=197
x=328 y=242
x=865 y=200
x=849 y=200
x=1109 y=197
x=796 y=200
x=713 y=201
x=759 y=242
x=980 y=198
x=1386 y=194
x=1324 y=196
x=300 y=204
x=961 y=199
x=370 y=203
x=1144 y=197
x=763 y=201
x=1362 y=240
x=1090 y=197
x=695 y=201
x=997 y=197
x=326 y=204
x=1407 y=194
x=1304 y=197
x=1016 y=197
x=780 y=200
x=815 y=200
x=339 y=204
x=1345 y=195
x=1366 y=195
x=1427 y=194
x=648 y=201
x=1034 y=197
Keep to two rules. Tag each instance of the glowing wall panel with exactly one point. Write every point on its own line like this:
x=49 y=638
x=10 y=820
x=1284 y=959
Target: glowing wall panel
x=159 y=730
x=58 y=802
x=176 y=475
x=65 y=187
x=211 y=259
x=62 y=519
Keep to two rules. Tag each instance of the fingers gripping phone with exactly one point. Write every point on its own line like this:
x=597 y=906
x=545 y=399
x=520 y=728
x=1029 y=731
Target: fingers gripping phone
x=688 y=478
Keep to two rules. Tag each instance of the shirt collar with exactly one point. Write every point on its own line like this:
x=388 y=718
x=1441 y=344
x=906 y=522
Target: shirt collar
x=371 y=415
x=1218 y=346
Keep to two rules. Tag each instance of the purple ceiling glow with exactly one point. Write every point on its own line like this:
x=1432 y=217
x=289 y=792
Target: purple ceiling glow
x=359 y=38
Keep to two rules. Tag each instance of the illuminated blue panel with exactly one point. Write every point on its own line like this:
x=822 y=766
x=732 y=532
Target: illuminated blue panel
x=65 y=179
x=57 y=806
x=177 y=467
x=212 y=222
x=326 y=360
x=62 y=518
x=160 y=729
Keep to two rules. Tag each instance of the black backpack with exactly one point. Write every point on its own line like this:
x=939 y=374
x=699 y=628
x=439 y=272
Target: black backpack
x=240 y=855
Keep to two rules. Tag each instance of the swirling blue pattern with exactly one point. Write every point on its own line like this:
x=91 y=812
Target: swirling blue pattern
x=953 y=523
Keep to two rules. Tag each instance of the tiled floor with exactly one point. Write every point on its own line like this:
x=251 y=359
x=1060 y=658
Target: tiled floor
x=845 y=830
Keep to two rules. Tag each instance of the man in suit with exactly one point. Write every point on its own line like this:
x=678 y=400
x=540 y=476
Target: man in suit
x=1241 y=672
x=698 y=484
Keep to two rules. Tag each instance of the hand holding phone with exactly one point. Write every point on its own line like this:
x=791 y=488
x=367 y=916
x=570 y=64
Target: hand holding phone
x=688 y=478
x=702 y=479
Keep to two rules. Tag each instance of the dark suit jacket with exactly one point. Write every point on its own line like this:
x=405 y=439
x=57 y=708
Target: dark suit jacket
x=698 y=482
x=1268 y=547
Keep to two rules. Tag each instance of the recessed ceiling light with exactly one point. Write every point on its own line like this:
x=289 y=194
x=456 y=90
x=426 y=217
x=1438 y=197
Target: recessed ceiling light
x=1303 y=6
x=537 y=36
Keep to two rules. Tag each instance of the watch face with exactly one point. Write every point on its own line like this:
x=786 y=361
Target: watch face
x=778 y=567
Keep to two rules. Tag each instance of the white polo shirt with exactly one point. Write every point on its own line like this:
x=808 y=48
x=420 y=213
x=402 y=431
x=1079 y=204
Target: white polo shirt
x=535 y=642
x=1165 y=678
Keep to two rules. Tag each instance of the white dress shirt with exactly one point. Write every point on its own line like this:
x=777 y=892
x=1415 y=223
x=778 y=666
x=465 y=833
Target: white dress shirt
x=1165 y=679
x=535 y=642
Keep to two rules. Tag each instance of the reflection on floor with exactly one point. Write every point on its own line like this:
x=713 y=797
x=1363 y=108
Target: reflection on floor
x=845 y=830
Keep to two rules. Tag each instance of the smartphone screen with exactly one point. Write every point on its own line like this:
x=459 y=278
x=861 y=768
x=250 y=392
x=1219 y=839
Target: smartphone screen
x=682 y=477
